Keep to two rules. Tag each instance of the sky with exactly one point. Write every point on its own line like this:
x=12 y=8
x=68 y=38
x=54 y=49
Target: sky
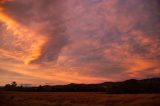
x=78 y=41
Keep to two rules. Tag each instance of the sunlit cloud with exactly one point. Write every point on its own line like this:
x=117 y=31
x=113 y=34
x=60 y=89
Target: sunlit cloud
x=80 y=41
x=24 y=38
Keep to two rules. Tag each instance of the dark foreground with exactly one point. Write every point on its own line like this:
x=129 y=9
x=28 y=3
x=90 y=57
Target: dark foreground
x=77 y=99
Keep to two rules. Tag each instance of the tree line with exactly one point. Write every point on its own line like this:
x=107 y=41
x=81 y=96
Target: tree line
x=129 y=86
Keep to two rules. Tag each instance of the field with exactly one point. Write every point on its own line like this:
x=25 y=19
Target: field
x=77 y=99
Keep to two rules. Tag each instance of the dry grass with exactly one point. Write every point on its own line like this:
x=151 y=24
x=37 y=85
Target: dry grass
x=77 y=99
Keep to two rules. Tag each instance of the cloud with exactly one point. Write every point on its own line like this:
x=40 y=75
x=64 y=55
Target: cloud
x=41 y=47
x=80 y=41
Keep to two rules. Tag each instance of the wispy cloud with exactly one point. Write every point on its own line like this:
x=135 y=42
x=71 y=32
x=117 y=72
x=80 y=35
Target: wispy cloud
x=83 y=41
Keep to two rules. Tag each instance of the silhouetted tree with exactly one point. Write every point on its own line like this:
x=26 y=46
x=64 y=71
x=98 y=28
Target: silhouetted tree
x=14 y=84
x=11 y=86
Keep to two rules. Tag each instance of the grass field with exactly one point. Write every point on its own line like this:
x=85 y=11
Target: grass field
x=77 y=99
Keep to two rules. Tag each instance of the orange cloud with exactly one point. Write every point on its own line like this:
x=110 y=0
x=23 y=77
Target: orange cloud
x=30 y=41
x=137 y=65
x=42 y=75
x=80 y=41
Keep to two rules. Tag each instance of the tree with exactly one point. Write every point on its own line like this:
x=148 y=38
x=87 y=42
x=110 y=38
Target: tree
x=14 y=84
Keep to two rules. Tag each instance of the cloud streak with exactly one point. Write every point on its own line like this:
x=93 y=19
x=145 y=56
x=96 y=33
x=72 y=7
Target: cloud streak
x=23 y=38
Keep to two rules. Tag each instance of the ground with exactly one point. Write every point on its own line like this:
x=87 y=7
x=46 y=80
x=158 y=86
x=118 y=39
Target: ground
x=77 y=99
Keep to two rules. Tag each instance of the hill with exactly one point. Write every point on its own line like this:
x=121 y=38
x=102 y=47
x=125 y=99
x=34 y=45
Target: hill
x=129 y=86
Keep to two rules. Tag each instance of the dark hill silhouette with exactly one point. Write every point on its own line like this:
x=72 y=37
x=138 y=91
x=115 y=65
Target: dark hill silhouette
x=129 y=86
x=134 y=86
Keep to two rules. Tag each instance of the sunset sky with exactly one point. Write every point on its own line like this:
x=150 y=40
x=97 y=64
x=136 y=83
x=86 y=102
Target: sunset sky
x=78 y=41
